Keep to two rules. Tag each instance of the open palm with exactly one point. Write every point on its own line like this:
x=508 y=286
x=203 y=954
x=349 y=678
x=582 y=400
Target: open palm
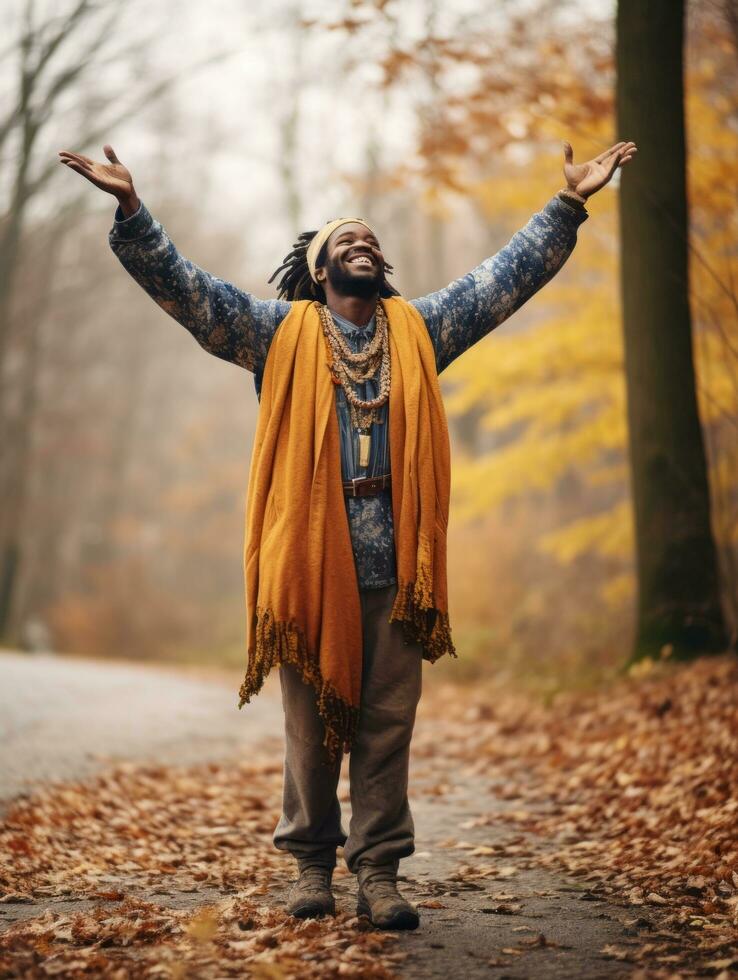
x=586 y=178
x=111 y=177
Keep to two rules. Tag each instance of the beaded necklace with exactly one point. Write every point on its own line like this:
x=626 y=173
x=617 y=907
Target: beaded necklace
x=348 y=367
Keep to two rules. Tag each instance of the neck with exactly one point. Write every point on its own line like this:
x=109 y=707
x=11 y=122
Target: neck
x=354 y=308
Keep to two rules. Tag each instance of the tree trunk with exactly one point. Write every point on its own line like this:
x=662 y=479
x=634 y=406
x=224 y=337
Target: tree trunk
x=678 y=588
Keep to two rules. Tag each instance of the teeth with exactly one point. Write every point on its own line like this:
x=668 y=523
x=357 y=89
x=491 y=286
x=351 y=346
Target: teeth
x=363 y=259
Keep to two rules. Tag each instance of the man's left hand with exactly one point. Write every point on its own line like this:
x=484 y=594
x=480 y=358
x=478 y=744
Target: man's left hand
x=586 y=178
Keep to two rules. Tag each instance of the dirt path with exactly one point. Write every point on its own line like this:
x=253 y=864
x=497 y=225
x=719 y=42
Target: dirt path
x=65 y=718
x=486 y=911
x=509 y=909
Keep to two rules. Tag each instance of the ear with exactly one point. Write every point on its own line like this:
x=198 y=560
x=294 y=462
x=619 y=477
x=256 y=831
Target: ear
x=320 y=275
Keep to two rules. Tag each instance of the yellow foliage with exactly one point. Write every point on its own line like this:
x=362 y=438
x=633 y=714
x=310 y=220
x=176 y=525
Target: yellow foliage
x=619 y=590
x=609 y=533
x=550 y=400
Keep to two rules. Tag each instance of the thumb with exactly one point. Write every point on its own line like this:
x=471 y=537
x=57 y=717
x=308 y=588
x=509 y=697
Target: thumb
x=568 y=152
x=110 y=153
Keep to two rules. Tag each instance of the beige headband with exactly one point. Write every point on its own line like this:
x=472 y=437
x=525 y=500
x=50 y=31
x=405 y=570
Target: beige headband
x=313 y=249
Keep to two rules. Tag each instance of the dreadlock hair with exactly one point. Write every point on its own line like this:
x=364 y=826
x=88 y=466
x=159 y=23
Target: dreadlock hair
x=296 y=283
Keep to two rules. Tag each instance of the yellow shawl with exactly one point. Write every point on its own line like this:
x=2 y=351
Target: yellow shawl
x=302 y=596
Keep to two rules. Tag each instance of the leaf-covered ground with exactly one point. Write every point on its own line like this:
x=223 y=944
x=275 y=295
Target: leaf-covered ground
x=165 y=832
x=634 y=790
x=628 y=795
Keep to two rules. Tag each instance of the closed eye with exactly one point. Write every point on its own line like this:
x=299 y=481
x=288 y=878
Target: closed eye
x=348 y=241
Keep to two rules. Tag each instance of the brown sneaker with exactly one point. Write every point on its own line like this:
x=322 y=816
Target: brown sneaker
x=380 y=900
x=310 y=896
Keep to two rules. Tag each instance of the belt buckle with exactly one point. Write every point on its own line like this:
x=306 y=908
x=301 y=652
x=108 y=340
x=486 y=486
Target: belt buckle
x=374 y=483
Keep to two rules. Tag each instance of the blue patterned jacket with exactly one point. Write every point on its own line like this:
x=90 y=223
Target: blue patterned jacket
x=236 y=326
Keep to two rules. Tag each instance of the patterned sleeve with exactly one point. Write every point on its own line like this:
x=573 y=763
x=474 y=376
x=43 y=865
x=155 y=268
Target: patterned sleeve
x=223 y=319
x=469 y=308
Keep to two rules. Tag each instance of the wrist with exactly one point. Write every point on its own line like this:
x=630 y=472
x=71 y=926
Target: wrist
x=572 y=198
x=574 y=194
x=129 y=203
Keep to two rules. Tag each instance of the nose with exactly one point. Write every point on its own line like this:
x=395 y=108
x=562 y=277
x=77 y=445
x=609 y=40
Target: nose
x=367 y=246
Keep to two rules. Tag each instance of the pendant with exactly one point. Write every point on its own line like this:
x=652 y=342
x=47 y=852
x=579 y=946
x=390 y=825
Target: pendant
x=365 y=441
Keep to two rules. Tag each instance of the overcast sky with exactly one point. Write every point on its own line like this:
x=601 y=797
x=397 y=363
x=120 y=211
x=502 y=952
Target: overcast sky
x=223 y=122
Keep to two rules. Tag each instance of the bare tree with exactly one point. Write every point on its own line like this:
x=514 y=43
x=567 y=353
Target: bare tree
x=63 y=68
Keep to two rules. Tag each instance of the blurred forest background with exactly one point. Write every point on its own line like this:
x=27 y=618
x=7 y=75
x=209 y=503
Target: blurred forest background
x=126 y=448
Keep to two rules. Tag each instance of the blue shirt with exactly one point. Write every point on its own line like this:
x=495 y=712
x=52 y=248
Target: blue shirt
x=370 y=518
x=236 y=326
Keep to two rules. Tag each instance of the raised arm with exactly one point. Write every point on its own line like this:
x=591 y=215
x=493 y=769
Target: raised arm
x=469 y=308
x=226 y=321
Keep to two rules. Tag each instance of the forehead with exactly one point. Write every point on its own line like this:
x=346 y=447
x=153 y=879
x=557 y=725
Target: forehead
x=352 y=230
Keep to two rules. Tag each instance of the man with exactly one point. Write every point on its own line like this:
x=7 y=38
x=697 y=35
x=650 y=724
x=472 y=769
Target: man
x=347 y=511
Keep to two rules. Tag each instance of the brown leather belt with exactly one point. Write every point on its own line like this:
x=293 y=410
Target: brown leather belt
x=362 y=486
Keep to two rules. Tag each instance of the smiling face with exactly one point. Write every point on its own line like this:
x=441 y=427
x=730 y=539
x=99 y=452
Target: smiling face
x=354 y=264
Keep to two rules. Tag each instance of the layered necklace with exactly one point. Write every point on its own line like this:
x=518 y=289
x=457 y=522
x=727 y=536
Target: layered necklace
x=349 y=368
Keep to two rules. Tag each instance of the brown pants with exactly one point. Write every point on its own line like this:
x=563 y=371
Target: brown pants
x=381 y=829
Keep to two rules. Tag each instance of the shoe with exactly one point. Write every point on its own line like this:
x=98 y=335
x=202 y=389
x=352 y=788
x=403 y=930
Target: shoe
x=310 y=896
x=380 y=900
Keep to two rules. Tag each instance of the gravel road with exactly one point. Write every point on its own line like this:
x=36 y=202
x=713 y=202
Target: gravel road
x=66 y=717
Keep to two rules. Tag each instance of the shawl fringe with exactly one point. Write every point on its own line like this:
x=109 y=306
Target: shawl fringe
x=282 y=642
x=421 y=621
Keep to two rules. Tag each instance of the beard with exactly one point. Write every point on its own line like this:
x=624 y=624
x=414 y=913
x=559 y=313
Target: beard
x=346 y=284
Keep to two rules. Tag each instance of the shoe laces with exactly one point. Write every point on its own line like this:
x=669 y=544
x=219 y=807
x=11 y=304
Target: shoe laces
x=315 y=874
x=381 y=882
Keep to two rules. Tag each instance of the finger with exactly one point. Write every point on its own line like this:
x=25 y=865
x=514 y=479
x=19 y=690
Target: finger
x=606 y=153
x=79 y=157
x=82 y=157
x=79 y=167
x=110 y=153
x=613 y=156
x=78 y=163
x=568 y=152
x=612 y=165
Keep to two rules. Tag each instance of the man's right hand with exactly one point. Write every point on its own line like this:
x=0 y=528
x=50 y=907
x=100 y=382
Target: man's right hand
x=111 y=177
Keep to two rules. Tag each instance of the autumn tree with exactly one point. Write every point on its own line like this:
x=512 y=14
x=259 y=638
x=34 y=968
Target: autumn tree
x=679 y=604
x=61 y=67
x=541 y=405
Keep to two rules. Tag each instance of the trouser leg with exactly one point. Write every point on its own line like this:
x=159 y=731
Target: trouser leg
x=382 y=829
x=310 y=824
